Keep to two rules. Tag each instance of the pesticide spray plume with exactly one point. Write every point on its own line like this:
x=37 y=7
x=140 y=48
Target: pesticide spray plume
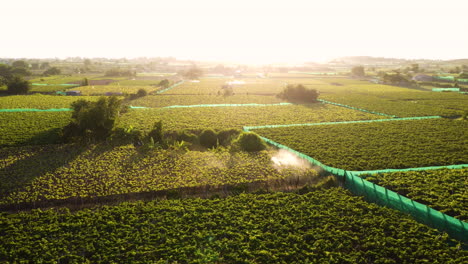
x=284 y=159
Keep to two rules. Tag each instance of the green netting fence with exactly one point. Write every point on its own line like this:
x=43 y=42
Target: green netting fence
x=462 y=80
x=382 y=196
x=36 y=110
x=170 y=87
x=444 y=78
x=342 y=122
x=446 y=89
x=355 y=108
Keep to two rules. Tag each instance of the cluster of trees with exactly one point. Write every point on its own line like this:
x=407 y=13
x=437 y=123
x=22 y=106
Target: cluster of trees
x=396 y=79
x=299 y=94
x=13 y=78
x=95 y=121
x=192 y=73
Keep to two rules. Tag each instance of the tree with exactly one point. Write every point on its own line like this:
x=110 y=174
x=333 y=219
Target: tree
x=193 y=73
x=299 y=93
x=5 y=74
x=164 y=83
x=358 y=71
x=92 y=120
x=17 y=85
x=52 y=71
x=19 y=64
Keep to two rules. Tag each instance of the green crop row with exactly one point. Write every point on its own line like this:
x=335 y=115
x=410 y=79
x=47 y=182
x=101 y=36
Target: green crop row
x=379 y=145
x=40 y=173
x=39 y=101
x=444 y=190
x=174 y=99
x=31 y=127
x=406 y=106
x=237 y=117
x=207 y=86
x=324 y=226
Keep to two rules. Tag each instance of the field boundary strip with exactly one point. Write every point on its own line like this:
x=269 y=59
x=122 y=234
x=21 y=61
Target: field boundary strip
x=35 y=110
x=170 y=87
x=456 y=228
x=209 y=105
x=355 y=108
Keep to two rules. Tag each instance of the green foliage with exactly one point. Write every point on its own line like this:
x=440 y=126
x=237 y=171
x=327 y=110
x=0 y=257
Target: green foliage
x=250 y=141
x=19 y=64
x=52 y=71
x=324 y=226
x=236 y=117
x=299 y=93
x=358 y=71
x=141 y=92
x=17 y=85
x=85 y=82
x=42 y=173
x=93 y=120
x=157 y=133
x=187 y=136
x=225 y=137
x=164 y=83
x=208 y=138
x=31 y=127
x=378 y=145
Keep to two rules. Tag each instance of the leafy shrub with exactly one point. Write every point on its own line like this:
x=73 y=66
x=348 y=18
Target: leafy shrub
x=225 y=137
x=208 y=138
x=250 y=141
x=157 y=133
x=299 y=93
x=187 y=136
x=128 y=135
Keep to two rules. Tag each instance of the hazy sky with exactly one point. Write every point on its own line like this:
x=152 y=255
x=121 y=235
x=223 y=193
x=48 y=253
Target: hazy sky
x=238 y=30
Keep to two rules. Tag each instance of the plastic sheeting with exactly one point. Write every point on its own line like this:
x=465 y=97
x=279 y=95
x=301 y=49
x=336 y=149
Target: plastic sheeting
x=355 y=108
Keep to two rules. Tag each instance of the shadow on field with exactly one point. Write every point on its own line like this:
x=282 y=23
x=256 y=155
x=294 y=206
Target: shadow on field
x=44 y=159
